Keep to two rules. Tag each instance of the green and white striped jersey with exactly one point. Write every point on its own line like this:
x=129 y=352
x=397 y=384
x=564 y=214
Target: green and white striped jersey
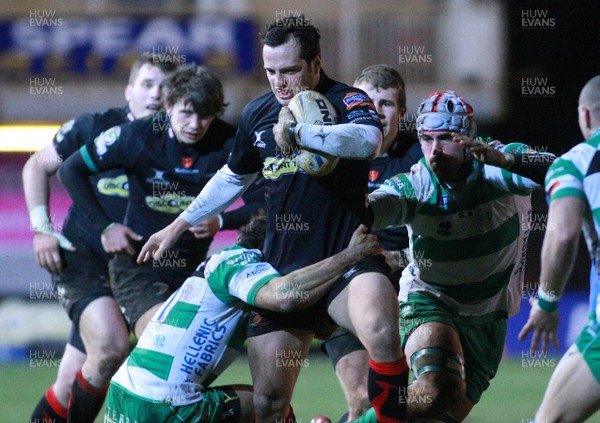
x=577 y=174
x=468 y=241
x=198 y=331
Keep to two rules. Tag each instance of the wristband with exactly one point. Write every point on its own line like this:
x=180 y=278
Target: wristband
x=293 y=134
x=108 y=228
x=40 y=223
x=220 y=221
x=547 y=302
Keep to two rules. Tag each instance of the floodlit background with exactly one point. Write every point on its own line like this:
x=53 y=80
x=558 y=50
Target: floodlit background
x=521 y=64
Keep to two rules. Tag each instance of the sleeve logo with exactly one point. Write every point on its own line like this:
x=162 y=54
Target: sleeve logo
x=67 y=126
x=106 y=139
x=354 y=99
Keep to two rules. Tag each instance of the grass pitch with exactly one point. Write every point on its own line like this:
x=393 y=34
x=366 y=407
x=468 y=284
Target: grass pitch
x=513 y=395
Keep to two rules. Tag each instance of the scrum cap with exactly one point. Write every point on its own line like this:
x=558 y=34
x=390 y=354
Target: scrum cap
x=446 y=111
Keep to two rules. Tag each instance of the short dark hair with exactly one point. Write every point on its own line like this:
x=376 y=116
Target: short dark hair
x=196 y=86
x=297 y=28
x=153 y=60
x=383 y=77
x=253 y=233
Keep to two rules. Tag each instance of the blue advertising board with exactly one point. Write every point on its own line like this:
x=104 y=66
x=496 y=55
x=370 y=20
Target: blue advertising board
x=45 y=42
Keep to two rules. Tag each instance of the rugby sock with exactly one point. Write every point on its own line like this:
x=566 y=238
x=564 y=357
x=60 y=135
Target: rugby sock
x=387 y=390
x=49 y=410
x=86 y=400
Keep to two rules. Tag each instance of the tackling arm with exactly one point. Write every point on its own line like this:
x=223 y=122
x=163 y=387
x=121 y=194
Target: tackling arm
x=559 y=251
x=531 y=165
x=385 y=208
x=306 y=286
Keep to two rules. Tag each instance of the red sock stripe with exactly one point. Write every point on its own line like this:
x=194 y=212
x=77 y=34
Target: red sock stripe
x=389 y=369
x=379 y=401
x=56 y=406
x=98 y=392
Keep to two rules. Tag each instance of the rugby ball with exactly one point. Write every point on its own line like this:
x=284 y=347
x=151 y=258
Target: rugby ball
x=312 y=107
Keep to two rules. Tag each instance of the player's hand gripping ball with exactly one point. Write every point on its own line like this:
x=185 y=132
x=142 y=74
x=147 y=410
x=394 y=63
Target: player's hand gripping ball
x=313 y=108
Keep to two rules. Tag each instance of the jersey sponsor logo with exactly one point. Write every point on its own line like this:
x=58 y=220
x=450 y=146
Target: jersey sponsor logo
x=64 y=129
x=354 y=99
x=106 y=139
x=186 y=171
x=114 y=187
x=362 y=115
x=187 y=162
x=203 y=352
x=169 y=202
x=244 y=259
x=159 y=341
x=261 y=268
x=445 y=228
x=258 y=142
x=373 y=175
x=274 y=168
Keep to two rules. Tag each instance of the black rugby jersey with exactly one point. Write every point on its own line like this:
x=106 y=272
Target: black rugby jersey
x=164 y=175
x=309 y=218
x=110 y=187
x=405 y=152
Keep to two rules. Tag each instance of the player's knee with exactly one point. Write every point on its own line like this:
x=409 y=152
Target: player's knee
x=378 y=340
x=440 y=382
x=437 y=392
x=108 y=365
x=112 y=347
x=268 y=401
x=109 y=355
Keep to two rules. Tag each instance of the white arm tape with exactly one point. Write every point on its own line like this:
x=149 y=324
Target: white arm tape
x=219 y=193
x=40 y=222
x=346 y=140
